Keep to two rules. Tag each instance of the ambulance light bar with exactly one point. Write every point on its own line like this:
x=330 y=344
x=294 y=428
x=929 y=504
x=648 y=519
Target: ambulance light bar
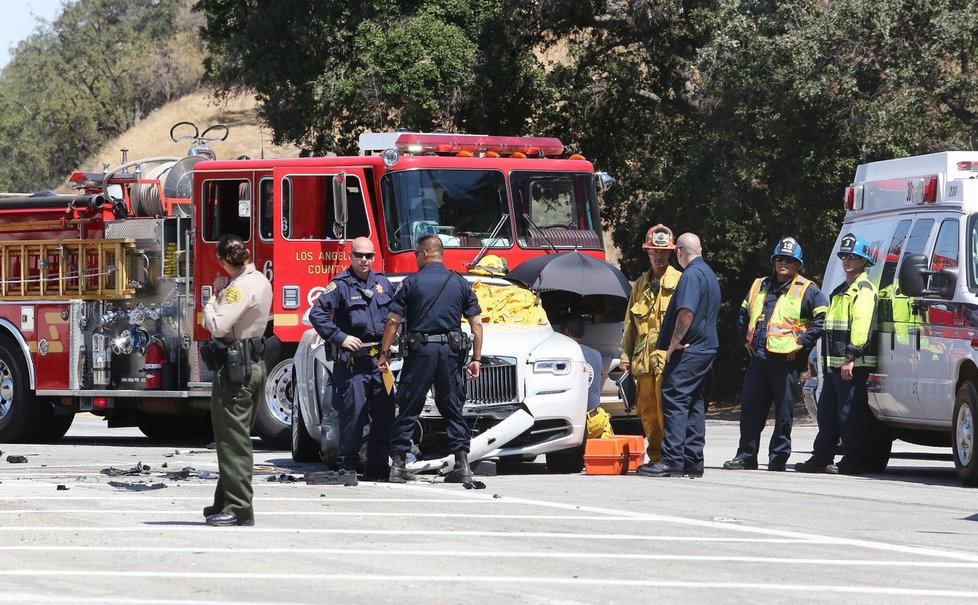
x=445 y=143
x=968 y=166
x=922 y=190
x=853 y=199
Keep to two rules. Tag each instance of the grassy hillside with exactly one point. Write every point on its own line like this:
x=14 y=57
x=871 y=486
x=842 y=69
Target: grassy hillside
x=150 y=137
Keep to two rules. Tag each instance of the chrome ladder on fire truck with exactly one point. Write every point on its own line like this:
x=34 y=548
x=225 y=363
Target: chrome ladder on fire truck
x=86 y=269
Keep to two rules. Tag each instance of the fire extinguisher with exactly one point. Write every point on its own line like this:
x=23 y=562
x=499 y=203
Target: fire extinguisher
x=154 y=363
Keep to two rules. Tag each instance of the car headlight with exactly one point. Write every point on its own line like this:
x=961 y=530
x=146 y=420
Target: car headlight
x=558 y=367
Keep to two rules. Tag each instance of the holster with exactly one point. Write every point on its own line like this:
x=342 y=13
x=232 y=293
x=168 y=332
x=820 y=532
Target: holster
x=208 y=354
x=459 y=343
x=239 y=358
x=410 y=342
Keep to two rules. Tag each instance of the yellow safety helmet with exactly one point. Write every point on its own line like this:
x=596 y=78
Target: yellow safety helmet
x=491 y=265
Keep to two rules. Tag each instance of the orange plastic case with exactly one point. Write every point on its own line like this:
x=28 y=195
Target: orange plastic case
x=606 y=456
x=636 y=450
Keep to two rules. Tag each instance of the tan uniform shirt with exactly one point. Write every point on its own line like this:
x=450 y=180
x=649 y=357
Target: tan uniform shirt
x=241 y=309
x=643 y=318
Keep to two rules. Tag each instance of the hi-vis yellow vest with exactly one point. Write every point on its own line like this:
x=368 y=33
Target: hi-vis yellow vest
x=785 y=323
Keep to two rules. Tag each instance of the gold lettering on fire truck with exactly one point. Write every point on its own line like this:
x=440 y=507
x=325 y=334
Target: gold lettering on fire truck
x=336 y=255
x=326 y=269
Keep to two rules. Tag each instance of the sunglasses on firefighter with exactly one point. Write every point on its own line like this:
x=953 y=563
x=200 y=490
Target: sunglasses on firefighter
x=366 y=255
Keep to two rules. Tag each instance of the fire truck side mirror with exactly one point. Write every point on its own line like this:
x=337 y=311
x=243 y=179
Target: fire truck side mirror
x=339 y=198
x=603 y=182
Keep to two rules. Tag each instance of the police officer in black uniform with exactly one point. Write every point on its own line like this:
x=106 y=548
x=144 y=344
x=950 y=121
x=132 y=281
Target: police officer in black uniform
x=350 y=316
x=433 y=301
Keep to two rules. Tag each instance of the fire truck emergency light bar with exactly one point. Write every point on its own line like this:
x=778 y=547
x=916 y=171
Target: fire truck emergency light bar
x=421 y=142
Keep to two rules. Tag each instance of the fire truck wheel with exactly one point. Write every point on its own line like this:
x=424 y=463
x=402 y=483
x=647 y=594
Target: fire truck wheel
x=20 y=416
x=304 y=447
x=273 y=423
x=55 y=426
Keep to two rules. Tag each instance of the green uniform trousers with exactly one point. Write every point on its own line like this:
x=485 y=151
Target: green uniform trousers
x=233 y=409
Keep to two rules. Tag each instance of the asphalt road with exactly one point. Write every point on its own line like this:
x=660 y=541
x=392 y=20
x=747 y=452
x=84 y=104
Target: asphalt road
x=907 y=536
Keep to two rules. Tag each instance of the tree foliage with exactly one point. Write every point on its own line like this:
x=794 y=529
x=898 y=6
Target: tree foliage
x=87 y=77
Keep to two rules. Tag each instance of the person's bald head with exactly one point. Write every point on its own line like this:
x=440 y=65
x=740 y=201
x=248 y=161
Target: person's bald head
x=363 y=256
x=688 y=247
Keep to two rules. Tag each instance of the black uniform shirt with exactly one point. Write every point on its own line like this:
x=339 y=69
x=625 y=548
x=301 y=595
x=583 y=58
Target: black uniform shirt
x=456 y=301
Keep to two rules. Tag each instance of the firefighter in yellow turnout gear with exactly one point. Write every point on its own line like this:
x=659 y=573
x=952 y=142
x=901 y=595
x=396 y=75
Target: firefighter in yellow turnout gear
x=643 y=318
x=849 y=351
x=780 y=321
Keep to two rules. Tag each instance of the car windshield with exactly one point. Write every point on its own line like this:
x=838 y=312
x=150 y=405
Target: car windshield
x=464 y=208
x=556 y=209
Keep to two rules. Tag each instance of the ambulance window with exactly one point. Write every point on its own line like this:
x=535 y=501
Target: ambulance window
x=946 y=247
x=893 y=254
x=220 y=208
x=919 y=236
x=265 y=214
x=307 y=208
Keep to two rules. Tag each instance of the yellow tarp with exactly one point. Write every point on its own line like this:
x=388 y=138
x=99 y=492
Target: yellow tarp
x=509 y=305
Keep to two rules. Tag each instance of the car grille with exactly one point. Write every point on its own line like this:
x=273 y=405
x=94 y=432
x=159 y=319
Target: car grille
x=497 y=382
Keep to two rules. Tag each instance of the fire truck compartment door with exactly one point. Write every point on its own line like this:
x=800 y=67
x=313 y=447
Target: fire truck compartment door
x=309 y=244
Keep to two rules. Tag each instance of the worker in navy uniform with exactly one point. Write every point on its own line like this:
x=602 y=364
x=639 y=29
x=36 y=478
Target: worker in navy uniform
x=237 y=311
x=350 y=316
x=689 y=337
x=432 y=303
x=849 y=355
x=781 y=319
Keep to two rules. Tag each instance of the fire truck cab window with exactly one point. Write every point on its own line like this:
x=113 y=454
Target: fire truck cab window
x=464 y=208
x=308 y=213
x=556 y=209
x=223 y=210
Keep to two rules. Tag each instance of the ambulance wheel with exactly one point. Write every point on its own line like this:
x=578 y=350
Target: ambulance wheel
x=20 y=416
x=273 y=422
x=304 y=447
x=965 y=416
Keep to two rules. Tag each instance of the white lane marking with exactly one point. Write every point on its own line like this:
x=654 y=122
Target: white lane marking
x=506 y=554
x=115 y=496
x=319 y=578
x=869 y=544
x=22 y=597
x=199 y=526
x=320 y=513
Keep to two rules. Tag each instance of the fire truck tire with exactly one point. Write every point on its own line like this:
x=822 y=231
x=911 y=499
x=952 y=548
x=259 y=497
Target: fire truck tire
x=273 y=422
x=304 y=447
x=55 y=426
x=964 y=427
x=20 y=415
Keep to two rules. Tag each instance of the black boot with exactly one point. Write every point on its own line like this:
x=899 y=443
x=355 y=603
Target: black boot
x=399 y=472
x=462 y=473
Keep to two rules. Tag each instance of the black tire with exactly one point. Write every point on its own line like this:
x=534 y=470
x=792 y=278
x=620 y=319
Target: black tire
x=879 y=445
x=273 y=421
x=568 y=461
x=963 y=444
x=304 y=447
x=195 y=427
x=20 y=415
x=55 y=426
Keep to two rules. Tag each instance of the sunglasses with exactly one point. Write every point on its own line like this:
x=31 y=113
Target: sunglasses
x=366 y=255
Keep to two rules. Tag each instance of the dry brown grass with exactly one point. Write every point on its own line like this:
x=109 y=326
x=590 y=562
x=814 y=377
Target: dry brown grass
x=150 y=137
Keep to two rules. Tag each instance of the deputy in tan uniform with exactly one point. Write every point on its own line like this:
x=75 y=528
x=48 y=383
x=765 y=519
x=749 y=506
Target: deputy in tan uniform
x=646 y=307
x=237 y=311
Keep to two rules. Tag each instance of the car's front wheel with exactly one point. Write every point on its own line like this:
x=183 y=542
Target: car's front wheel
x=965 y=414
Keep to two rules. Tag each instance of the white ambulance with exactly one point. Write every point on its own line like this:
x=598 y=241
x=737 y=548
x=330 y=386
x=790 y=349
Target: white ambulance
x=920 y=216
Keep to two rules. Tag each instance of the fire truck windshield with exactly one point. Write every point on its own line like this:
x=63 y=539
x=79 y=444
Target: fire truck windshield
x=470 y=209
x=462 y=207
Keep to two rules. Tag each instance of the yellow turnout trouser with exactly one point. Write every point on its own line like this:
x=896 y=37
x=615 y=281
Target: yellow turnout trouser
x=599 y=424
x=649 y=408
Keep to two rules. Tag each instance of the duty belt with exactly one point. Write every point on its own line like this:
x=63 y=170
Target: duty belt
x=367 y=349
x=436 y=338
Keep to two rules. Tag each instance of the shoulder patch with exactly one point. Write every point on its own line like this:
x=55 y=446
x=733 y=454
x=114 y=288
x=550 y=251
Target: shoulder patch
x=330 y=287
x=232 y=295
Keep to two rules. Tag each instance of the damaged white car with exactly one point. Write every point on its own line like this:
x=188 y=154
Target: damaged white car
x=530 y=399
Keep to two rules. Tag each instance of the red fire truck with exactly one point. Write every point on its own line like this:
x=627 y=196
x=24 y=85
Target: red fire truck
x=102 y=292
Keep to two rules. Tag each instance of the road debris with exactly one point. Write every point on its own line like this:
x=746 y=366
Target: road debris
x=16 y=459
x=139 y=469
x=332 y=478
x=136 y=486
